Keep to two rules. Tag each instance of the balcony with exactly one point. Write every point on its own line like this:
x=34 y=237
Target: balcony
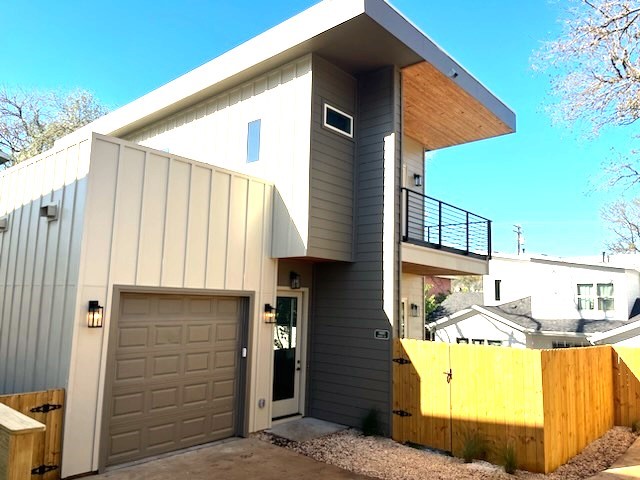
x=439 y=238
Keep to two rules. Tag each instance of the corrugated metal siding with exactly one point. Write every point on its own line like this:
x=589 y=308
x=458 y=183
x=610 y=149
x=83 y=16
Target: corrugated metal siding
x=39 y=264
x=332 y=166
x=350 y=370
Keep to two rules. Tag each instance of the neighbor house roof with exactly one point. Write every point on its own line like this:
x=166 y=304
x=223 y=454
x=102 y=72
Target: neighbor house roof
x=517 y=314
x=357 y=36
x=456 y=302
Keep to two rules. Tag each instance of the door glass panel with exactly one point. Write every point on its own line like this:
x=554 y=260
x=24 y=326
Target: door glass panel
x=284 y=345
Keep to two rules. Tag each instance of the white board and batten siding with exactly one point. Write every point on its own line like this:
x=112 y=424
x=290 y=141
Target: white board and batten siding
x=157 y=220
x=39 y=265
x=215 y=131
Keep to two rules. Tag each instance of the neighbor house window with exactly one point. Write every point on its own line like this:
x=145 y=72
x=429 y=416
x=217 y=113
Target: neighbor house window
x=496 y=343
x=253 y=141
x=585 y=296
x=605 y=296
x=497 y=289
x=477 y=341
x=565 y=344
x=462 y=340
x=338 y=121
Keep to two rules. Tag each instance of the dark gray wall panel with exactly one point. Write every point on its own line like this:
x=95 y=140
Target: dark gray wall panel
x=350 y=371
x=332 y=166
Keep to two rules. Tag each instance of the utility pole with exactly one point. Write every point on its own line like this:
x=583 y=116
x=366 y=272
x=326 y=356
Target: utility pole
x=518 y=232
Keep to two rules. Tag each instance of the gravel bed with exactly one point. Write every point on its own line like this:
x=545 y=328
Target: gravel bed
x=383 y=458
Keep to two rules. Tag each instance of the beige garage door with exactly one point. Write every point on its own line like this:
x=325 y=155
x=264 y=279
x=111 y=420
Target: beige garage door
x=174 y=374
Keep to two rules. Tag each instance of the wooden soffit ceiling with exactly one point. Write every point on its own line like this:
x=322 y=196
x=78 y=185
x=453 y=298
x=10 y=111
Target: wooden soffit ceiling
x=439 y=113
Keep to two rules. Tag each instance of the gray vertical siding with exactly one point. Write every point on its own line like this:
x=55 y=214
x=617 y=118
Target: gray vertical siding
x=39 y=265
x=332 y=166
x=350 y=370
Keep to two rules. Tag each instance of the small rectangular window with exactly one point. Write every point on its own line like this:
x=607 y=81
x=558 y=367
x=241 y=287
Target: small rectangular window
x=497 y=289
x=253 y=141
x=605 y=296
x=585 y=296
x=477 y=341
x=338 y=121
x=462 y=340
x=495 y=343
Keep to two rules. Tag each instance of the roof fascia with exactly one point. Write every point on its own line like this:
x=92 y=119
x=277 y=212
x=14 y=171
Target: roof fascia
x=414 y=38
x=284 y=36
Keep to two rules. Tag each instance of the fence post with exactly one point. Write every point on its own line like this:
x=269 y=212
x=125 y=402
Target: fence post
x=489 y=240
x=16 y=443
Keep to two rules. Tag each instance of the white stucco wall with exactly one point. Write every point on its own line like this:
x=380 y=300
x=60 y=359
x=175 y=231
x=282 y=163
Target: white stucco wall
x=412 y=291
x=552 y=287
x=157 y=220
x=215 y=131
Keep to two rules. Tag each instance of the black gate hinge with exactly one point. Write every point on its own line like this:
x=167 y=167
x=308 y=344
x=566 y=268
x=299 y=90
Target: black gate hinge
x=401 y=413
x=46 y=408
x=401 y=361
x=42 y=469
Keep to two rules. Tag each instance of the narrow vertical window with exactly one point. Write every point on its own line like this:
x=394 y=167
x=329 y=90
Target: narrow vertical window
x=497 y=289
x=253 y=141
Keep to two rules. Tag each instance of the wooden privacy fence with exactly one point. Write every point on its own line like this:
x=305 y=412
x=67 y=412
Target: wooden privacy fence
x=547 y=404
x=46 y=407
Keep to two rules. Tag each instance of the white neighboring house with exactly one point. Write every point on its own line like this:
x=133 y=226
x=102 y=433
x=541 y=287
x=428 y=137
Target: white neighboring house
x=544 y=302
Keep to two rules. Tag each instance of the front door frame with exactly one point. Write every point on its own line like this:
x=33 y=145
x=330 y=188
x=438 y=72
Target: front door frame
x=302 y=344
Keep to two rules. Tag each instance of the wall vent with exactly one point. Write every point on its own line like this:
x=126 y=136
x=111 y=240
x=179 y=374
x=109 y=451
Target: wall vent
x=49 y=211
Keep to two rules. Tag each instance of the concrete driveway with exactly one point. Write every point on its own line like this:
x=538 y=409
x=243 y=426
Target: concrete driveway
x=236 y=459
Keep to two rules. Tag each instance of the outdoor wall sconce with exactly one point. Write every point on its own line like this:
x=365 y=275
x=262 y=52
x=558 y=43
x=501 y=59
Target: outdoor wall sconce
x=417 y=179
x=4 y=223
x=294 y=279
x=94 y=314
x=269 y=313
x=414 y=309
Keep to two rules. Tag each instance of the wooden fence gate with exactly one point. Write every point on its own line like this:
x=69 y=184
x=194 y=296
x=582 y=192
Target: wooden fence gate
x=46 y=407
x=546 y=404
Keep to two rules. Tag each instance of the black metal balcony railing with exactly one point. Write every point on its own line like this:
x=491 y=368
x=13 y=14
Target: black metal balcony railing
x=435 y=224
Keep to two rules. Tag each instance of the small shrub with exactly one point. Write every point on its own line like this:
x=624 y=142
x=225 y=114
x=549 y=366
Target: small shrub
x=635 y=427
x=509 y=458
x=475 y=447
x=371 y=423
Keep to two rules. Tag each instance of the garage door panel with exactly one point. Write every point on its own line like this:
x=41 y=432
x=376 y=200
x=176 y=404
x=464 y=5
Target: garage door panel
x=133 y=337
x=175 y=377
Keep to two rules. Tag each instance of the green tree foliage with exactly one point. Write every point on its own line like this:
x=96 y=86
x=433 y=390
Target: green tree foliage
x=30 y=121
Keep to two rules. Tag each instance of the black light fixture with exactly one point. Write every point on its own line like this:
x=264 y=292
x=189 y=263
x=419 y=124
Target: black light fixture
x=417 y=179
x=95 y=313
x=414 y=309
x=294 y=280
x=269 y=313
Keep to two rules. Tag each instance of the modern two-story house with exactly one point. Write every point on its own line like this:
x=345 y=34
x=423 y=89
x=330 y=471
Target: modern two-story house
x=241 y=244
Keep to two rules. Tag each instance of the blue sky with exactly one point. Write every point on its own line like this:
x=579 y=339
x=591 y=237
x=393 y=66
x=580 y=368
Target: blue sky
x=541 y=177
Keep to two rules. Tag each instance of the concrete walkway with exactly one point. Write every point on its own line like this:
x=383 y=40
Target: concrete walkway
x=627 y=466
x=237 y=459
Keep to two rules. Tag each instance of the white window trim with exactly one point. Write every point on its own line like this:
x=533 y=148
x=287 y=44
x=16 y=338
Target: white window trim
x=331 y=127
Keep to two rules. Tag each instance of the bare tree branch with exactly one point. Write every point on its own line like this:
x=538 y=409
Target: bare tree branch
x=30 y=121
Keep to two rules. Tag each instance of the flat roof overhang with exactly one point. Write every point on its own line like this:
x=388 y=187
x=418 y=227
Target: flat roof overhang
x=429 y=261
x=358 y=36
